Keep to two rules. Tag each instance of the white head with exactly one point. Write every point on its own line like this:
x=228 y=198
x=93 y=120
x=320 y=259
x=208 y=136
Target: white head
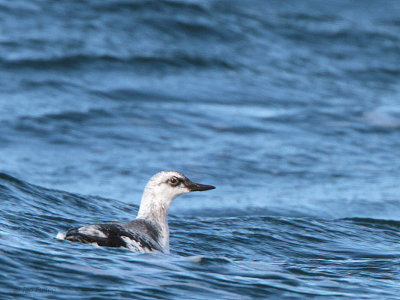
x=161 y=189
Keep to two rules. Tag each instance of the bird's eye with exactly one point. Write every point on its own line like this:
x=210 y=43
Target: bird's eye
x=174 y=181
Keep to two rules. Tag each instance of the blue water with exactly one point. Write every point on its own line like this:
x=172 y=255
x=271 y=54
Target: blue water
x=291 y=109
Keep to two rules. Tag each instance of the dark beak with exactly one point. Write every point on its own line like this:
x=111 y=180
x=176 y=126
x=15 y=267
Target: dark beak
x=192 y=186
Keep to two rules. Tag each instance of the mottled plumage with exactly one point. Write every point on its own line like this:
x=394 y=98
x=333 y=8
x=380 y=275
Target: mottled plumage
x=149 y=231
x=136 y=235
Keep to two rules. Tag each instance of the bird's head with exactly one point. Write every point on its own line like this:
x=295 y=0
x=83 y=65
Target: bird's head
x=170 y=184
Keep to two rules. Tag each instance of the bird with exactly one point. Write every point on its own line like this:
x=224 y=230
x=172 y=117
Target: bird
x=149 y=232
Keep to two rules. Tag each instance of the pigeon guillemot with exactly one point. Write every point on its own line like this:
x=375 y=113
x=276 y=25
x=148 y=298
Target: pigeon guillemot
x=149 y=231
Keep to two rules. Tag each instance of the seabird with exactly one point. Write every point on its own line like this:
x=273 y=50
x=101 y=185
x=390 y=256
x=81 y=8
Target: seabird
x=149 y=232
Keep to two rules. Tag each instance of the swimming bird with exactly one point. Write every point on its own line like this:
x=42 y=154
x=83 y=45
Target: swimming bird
x=149 y=232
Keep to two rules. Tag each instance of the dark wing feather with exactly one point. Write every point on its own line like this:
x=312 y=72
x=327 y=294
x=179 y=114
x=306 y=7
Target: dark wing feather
x=114 y=235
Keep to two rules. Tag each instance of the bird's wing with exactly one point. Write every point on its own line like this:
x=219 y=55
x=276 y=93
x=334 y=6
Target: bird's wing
x=113 y=235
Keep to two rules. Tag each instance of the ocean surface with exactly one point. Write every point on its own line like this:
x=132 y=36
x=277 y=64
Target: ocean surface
x=290 y=108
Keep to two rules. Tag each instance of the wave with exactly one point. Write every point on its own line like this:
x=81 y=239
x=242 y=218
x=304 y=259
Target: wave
x=227 y=256
x=371 y=222
x=176 y=60
x=54 y=203
x=118 y=6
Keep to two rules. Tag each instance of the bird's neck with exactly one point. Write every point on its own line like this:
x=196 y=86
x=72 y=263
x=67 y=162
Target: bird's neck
x=155 y=210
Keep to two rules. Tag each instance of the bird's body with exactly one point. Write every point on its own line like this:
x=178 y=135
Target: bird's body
x=137 y=235
x=149 y=232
